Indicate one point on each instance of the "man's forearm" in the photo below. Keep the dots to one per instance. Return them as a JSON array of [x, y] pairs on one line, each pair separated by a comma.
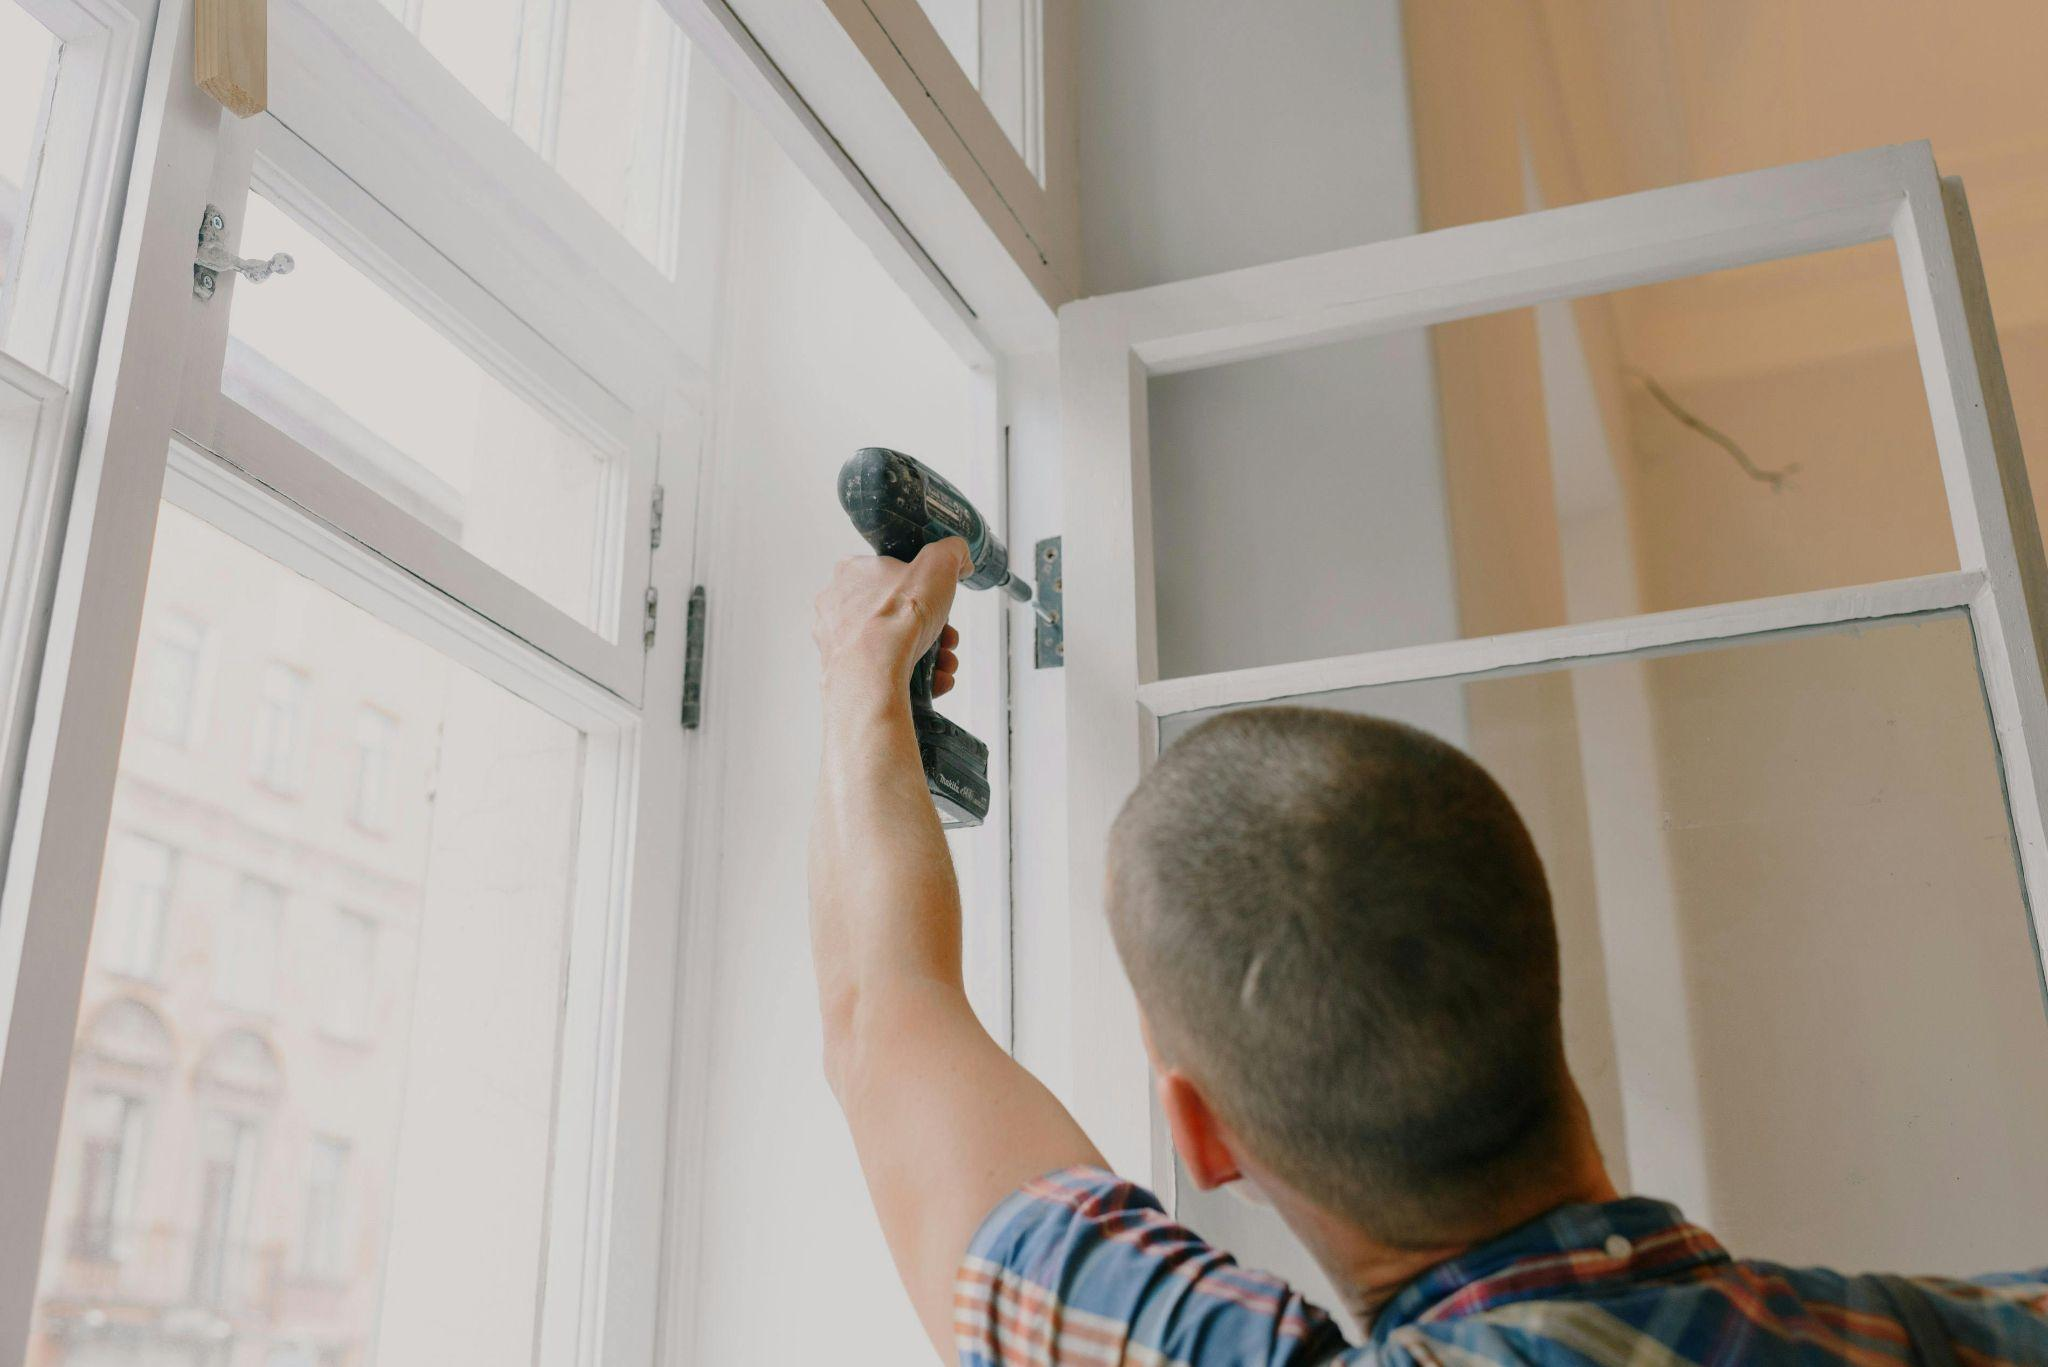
[[946, 1123], [884, 903]]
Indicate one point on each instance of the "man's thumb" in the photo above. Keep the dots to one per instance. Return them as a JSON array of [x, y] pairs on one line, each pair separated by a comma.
[[947, 560]]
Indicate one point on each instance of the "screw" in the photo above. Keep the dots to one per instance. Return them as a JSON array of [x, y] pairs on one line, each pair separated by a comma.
[[1048, 555], [216, 222], [1059, 586]]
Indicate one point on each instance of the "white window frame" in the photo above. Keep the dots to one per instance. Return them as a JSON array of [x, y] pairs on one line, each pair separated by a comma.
[[620, 339], [1110, 346], [55, 310], [870, 104]]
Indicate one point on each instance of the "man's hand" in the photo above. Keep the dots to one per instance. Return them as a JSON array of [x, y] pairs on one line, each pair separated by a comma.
[[945, 1122], [878, 616]]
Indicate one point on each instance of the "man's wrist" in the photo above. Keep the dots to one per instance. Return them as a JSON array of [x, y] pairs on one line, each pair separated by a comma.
[[865, 682]]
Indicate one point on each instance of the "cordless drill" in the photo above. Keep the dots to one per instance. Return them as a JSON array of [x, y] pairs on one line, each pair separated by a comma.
[[899, 507]]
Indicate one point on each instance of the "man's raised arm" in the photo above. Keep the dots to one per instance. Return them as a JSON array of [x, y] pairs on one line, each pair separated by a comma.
[[945, 1122]]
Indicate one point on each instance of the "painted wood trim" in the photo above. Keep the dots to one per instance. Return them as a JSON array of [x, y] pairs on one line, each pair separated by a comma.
[[1619, 639], [1109, 654], [56, 310], [231, 53], [74, 744], [767, 92], [1482, 268], [1990, 503], [1039, 226]]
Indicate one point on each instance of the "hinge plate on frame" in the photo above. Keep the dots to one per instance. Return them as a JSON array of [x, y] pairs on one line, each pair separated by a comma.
[[1049, 639], [654, 518], [693, 660], [213, 257], [647, 621]]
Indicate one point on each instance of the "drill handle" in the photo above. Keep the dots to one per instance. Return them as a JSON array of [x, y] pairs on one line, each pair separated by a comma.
[[922, 675]]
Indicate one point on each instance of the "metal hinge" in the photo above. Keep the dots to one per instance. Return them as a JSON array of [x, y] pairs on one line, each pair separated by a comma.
[[693, 660], [1049, 638], [654, 518], [213, 257], [653, 601]]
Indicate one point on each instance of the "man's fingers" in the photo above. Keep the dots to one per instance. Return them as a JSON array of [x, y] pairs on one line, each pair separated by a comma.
[[950, 637], [942, 684], [948, 663]]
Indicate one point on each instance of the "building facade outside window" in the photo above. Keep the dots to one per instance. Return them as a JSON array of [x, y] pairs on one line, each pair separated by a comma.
[[132, 939], [171, 708], [221, 1254], [245, 947], [323, 1244], [376, 741], [276, 759], [352, 976], [115, 1127]]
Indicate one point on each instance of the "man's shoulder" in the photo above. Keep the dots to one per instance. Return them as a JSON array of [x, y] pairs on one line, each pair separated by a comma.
[[1082, 1266], [1750, 1311]]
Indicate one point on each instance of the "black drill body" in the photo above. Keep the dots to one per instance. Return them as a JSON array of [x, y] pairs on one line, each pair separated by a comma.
[[900, 507]]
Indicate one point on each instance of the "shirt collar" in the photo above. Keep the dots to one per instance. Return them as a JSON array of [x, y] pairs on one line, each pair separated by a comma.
[[1572, 1249]]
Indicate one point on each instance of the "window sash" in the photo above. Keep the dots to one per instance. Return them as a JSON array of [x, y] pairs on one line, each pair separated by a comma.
[[609, 1152], [454, 171], [1111, 345], [263, 152]]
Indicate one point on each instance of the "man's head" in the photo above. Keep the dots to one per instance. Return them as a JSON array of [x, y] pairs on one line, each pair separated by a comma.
[[1341, 938]]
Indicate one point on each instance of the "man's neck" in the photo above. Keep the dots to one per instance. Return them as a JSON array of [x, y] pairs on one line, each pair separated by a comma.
[[1367, 1272], [1377, 1273]]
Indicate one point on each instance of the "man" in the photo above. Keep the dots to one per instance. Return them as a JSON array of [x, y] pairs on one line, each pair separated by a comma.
[[1341, 942]]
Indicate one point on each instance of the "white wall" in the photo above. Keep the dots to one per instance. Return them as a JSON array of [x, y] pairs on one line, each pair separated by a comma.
[[820, 354], [1298, 502]]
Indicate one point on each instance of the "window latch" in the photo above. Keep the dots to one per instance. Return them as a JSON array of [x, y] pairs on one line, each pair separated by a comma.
[[214, 257]]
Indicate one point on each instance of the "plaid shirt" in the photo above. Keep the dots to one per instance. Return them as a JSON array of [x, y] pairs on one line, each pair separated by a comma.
[[1079, 1267]]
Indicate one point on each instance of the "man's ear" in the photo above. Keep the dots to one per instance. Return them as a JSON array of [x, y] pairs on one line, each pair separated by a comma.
[[1198, 1135]]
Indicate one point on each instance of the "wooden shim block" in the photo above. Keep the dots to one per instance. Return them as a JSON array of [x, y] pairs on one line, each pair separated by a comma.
[[231, 53]]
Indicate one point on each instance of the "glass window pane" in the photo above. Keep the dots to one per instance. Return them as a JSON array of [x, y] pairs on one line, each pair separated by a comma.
[[28, 61], [419, 420], [596, 86], [318, 1125], [618, 135], [1742, 434], [1757, 854]]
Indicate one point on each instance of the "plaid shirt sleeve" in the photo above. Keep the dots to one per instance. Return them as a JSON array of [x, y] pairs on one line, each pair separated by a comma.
[[1081, 1267]]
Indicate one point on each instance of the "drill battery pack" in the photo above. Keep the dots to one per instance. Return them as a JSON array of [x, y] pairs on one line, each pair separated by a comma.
[[955, 770]]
